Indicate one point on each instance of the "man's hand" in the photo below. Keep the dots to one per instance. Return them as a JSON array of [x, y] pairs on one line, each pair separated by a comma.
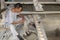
[[14, 23], [20, 21]]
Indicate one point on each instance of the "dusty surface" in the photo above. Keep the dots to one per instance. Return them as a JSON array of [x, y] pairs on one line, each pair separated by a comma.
[[53, 38], [31, 37]]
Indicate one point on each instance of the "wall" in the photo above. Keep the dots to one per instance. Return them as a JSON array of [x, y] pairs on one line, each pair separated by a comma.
[[51, 22], [30, 7]]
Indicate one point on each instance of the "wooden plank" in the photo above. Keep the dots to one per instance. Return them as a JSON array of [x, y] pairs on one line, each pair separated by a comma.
[[44, 12], [37, 5], [32, 2], [2, 4], [41, 13], [40, 31]]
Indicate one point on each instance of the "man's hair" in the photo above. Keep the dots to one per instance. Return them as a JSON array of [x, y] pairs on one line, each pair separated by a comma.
[[18, 5]]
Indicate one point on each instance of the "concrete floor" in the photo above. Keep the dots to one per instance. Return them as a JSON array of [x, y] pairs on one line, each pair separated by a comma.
[[31, 37], [53, 38]]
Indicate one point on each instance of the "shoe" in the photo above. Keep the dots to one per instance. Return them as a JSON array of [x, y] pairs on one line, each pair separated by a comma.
[[20, 38], [28, 34]]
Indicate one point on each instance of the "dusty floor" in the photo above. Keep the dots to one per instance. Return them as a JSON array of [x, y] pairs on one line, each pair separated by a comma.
[[32, 36], [53, 38]]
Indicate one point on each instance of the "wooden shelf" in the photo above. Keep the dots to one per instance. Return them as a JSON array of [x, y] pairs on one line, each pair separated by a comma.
[[32, 2], [44, 12]]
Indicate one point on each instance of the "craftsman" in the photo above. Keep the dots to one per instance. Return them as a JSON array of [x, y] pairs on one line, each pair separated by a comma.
[[11, 19]]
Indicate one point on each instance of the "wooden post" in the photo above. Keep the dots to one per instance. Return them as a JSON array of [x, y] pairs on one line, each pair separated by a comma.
[[38, 6], [3, 13], [39, 27], [2, 4], [40, 30]]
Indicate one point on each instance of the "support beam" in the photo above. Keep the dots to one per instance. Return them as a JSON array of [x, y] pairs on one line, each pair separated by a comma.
[[44, 12], [3, 13], [39, 27], [40, 13], [32, 2], [37, 5], [2, 4], [40, 30]]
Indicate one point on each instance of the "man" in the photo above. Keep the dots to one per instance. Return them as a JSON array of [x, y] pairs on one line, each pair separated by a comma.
[[11, 19]]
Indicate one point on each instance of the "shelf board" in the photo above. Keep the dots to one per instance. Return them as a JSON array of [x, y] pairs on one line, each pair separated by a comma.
[[32, 2], [43, 12]]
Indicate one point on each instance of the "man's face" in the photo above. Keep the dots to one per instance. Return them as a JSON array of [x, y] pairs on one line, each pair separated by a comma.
[[18, 9]]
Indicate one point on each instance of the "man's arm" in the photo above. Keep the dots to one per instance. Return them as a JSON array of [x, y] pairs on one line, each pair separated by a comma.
[[20, 21]]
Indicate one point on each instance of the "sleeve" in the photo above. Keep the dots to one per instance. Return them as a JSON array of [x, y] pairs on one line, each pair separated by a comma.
[[9, 16]]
